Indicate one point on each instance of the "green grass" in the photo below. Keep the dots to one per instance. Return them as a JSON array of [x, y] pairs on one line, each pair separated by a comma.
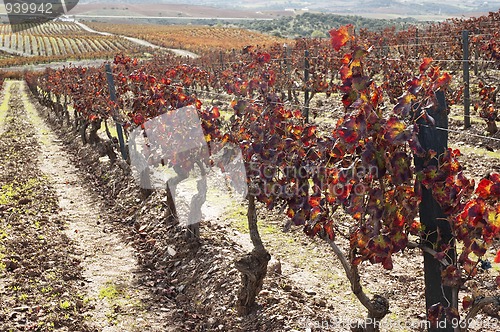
[[35, 118], [472, 119], [111, 126], [237, 213], [65, 305], [477, 151], [9, 190], [109, 292], [6, 193], [5, 102], [3, 235], [2, 256]]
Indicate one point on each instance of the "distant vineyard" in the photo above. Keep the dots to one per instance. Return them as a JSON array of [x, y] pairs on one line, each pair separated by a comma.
[[193, 38], [60, 41]]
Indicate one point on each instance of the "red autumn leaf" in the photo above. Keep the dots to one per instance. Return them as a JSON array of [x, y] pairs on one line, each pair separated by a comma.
[[314, 201], [415, 227], [425, 64], [215, 112], [495, 177], [376, 97], [339, 37], [434, 73], [345, 72], [497, 257], [400, 240], [329, 229], [403, 107], [451, 276], [479, 249], [310, 131], [414, 85], [264, 57], [467, 302], [315, 213], [484, 188], [349, 98], [395, 131], [138, 119], [401, 164], [350, 131], [198, 104], [387, 263], [442, 81]]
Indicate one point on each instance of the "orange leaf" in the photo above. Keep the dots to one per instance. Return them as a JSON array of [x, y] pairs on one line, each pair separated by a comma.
[[467, 302], [443, 80], [425, 64], [216, 112], [339, 37], [483, 190], [497, 257]]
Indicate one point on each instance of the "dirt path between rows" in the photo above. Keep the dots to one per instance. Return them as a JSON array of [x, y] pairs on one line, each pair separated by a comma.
[[4, 104], [110, 269], [141, 42]]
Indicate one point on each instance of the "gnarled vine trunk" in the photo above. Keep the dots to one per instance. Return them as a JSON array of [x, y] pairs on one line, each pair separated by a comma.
[[83, 130], [378, 306], [252, 266], [194, 216], [492, 127], [94, 128]]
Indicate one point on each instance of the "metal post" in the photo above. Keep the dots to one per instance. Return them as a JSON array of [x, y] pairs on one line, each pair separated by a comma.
[[306, 81], [221, 59], [465, 47], [416, 43], [476, 53], [437, 228]]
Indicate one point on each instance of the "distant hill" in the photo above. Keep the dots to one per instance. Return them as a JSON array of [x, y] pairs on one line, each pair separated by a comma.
[[370, 8], [288, 12], [318, 25]]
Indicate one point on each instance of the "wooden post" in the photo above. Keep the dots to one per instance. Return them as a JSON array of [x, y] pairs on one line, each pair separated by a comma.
[[305, 112], [112, 95], [432, 41], [416, 43], [283, 63], [465, 47], [221, 60], [437, 228], [288, 59], [385, 47], [476, 53]]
